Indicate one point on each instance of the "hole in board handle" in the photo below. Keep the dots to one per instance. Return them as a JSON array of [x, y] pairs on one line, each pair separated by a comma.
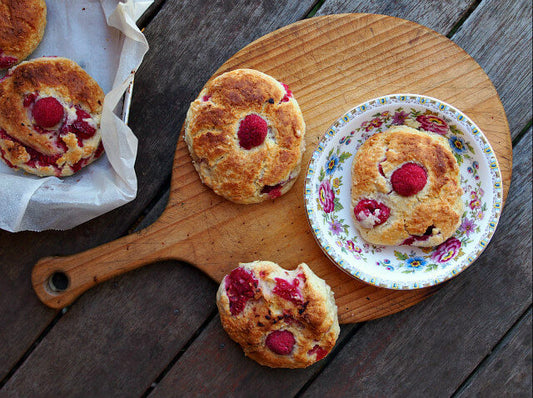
[[58, 282]]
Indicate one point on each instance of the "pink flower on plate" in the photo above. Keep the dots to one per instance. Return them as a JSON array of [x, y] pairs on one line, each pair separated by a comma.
[[326, 196], [446, 250], [433, 123]]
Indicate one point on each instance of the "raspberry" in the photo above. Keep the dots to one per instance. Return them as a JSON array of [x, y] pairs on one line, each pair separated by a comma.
[[274, 191], [319, 351], [409, 179], [288, 93], [47, 112], [29, 99], [281, 342], [7, 62], [288, 291], [80, 127], [371, 213], [240, 287], [252, 131]]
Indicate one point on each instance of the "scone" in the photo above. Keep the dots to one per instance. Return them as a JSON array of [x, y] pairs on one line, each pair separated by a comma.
[[280, 318], [406, 188], [22, 24], [50, 112], [245, 134]]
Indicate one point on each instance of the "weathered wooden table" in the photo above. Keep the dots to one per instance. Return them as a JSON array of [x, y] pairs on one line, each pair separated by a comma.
[[156, 332]]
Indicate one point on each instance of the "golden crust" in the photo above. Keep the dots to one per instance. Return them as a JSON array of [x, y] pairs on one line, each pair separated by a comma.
[[20, 138], [312, 319], [22, 25], [211, 130], [437, 208]]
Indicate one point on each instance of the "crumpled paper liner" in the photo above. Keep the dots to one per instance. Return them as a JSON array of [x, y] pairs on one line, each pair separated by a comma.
[[102, 37]]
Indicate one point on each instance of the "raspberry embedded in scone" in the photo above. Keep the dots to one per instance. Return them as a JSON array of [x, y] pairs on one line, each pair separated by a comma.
[[406, 188], [50, 111], [280, 318], [22, 25], [245, 133]]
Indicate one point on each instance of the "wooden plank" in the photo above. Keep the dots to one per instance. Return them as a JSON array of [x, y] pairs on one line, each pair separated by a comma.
[[117, 339], [498, 36], [175, 35], [430, 349], [439, 16], [212, 350], [513, 355]]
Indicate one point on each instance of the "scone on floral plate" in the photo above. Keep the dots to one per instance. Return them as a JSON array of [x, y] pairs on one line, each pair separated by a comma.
[[280, 318], [403, 192]]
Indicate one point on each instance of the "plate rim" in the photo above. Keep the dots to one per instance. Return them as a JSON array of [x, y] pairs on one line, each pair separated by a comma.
[[497, 194]]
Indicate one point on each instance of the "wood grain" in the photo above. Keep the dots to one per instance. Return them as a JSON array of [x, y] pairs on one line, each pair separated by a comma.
[[331, 63]]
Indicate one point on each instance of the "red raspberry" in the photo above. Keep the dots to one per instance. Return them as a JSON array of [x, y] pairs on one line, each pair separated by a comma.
[[288, 291], [319, 351], [409, 179], [288, 93], [371, 213], [281, 342], [252, 131], [240, 287], [47, 112], [80, 127], [274, 191], [7, 62]]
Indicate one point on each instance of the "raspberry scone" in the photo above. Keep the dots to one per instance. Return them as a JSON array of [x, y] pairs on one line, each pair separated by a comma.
[[406, 188], [281, 319], [50, 112], [245, 133], [22, 25]]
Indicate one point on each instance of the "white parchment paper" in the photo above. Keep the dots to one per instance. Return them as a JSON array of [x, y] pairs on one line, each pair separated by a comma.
[[102, 37]]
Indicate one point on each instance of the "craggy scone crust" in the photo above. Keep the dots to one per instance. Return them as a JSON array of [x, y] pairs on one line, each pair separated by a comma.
[[425, 219], [22, 24], [21, 139], [211, 127], [308, 312]]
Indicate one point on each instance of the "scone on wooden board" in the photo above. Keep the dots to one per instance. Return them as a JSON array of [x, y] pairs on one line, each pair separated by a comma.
[[22, 24], [281, 318], [406, 188], [50, 111], [245, 133]]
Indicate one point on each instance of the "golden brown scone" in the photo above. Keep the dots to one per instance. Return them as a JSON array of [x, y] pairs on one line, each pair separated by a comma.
[[406, 188], [281, 319], [245, 134], [50, 112], [22, 24]]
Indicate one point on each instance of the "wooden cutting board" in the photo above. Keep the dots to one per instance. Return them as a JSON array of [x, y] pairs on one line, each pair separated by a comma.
[[331, 63]]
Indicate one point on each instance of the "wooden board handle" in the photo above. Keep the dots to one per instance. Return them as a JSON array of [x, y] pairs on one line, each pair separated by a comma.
[[58, 281]]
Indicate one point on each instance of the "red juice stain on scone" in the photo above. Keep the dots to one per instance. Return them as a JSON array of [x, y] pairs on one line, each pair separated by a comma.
[[318, 351], [409, 179], [6, 61], [281, 342], [289, 291], [252, 131], [47, 112], [288, 93], [240, 287], [371, 213]]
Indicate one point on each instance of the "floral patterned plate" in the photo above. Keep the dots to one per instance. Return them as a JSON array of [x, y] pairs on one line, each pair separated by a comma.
[[327, 194]]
